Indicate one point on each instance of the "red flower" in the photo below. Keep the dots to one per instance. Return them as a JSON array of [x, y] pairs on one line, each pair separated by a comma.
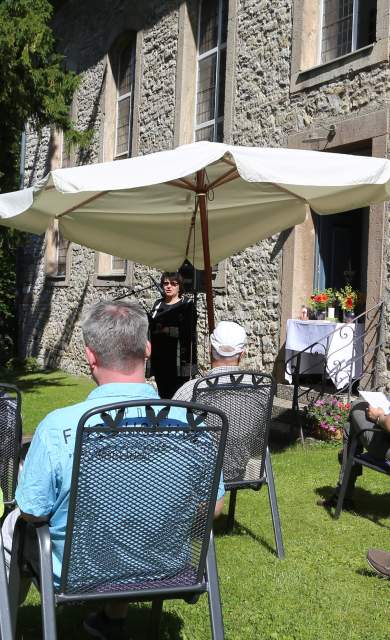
[[349, 303]]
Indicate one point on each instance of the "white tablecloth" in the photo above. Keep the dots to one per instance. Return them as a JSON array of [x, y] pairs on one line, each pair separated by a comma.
[[337, 347]]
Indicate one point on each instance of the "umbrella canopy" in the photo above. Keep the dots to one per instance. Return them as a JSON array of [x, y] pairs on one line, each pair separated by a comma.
[[143, 208]]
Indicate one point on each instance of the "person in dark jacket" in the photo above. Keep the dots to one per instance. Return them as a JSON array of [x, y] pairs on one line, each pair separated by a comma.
[[173, 336]]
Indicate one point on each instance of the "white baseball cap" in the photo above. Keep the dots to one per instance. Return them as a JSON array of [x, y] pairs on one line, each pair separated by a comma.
[[228, 338]]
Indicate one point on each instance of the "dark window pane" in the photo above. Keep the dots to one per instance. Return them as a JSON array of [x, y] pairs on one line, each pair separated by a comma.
[[224, 20], [125, 71], [205, 105], [219, 133], [366, 23], [208, 31], [222, 78]]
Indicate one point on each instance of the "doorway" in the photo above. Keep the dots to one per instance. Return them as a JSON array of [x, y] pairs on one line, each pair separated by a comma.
[[341, 248]]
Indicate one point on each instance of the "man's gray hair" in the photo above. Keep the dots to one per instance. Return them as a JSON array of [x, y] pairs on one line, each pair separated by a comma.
[[217, 356], [117, 332]]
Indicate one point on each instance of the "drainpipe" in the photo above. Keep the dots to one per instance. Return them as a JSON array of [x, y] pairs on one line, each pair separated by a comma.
[[23, 142]]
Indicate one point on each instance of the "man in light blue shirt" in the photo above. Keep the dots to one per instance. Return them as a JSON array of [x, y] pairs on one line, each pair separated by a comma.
[[115, 336]]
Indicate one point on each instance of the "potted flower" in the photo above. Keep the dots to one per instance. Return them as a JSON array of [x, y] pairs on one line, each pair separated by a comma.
[[348, 299], [327, 417], [319, 302]]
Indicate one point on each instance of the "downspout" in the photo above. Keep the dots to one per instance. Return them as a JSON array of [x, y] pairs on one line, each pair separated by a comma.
[[23, 144]]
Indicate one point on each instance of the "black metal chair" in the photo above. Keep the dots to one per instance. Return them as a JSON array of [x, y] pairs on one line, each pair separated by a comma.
[[361, 458], [246, 397], [5, 614], [144, 487], [10, 440]]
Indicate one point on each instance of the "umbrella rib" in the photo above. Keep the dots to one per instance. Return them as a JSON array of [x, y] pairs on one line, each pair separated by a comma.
[[81, 204], [227, 177], [182, 183]]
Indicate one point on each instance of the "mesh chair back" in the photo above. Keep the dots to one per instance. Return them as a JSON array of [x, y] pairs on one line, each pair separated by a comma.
[[10, 439], [246, 398], [144, 486]]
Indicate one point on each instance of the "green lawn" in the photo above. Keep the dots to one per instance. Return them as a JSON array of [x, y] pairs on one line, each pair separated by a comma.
[[45, 391], [324, 588]]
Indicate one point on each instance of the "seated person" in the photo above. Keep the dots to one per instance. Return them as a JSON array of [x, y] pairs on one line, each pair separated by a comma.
[[227, 345], [116, 346], [362, 416]]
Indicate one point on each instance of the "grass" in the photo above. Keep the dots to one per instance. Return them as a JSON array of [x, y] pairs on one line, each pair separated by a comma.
[[324, 589], [44, 391]]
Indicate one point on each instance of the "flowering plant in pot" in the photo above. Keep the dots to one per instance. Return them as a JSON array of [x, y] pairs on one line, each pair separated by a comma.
[[319, 302], [348, 298], [327, 417]]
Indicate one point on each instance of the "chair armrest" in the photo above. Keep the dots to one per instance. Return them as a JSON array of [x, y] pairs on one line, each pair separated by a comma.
[[357, 434]]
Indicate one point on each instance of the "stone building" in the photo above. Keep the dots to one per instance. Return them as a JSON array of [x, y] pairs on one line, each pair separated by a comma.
[[307, 74]]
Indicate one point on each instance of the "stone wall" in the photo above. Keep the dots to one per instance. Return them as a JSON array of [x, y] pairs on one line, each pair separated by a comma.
[[265, 112]]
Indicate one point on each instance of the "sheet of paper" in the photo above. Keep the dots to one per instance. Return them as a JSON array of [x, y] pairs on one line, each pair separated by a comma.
[[376, 399]]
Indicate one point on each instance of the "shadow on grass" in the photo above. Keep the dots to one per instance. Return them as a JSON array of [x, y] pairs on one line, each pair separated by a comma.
[[40, 379], [371, 506], [239, 529], [370, 573], [70, 623]]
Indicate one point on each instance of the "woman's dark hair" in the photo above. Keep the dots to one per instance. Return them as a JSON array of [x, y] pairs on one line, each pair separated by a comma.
[[173, 275]]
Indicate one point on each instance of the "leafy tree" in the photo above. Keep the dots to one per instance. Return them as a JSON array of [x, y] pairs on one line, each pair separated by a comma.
[[36, 87]]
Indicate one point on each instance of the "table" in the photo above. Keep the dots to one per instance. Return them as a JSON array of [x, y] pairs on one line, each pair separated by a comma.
[[335, 342]]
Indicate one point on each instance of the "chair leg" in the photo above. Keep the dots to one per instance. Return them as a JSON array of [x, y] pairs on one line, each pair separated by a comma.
[[346, 474], [274, 505], [232, 509], [14, 580], [157, 607], [214, 597], [46, 579], [5, 613]]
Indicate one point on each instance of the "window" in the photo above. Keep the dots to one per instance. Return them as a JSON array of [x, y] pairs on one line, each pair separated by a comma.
[[110, 265], [194, 279], [347, 25], [124, 100], [335, 37], [111, 270], [211, 70], [120, 87], [58, 255]]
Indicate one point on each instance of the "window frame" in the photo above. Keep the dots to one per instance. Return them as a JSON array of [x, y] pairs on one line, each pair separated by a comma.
[[53, 236], [217, 120], [131, 43], [306, 69], [110, 277]]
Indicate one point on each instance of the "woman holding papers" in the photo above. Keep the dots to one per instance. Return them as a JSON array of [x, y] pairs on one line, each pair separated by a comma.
[[173, 336]]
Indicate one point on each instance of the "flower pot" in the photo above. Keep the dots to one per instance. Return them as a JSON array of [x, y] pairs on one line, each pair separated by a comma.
[[348, 316], [322, 434], [320, 314]]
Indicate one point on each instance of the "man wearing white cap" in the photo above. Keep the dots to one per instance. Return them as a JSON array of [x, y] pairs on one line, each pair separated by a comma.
[[227, 344]]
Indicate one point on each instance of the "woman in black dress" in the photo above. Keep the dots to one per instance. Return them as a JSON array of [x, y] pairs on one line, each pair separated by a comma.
[[173, 336]]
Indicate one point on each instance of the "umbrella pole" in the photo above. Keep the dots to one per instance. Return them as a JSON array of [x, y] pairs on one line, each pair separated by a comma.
[[206, 255]]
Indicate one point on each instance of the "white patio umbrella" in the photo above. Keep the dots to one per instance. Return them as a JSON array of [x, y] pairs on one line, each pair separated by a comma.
[[145, 208]]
